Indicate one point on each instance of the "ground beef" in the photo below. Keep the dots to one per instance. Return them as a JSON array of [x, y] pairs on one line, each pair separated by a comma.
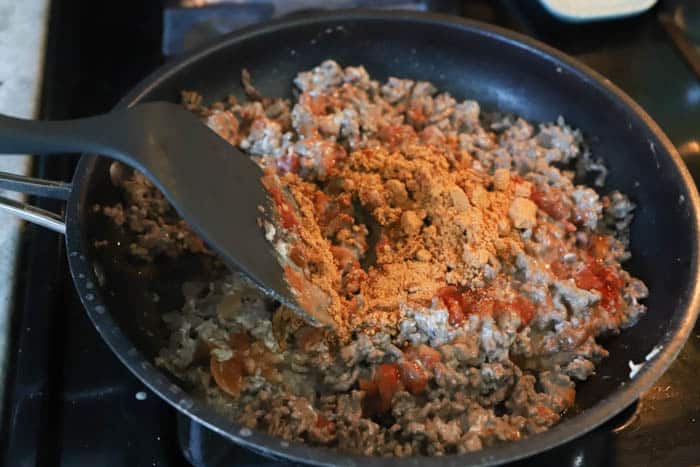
[[488, 354]]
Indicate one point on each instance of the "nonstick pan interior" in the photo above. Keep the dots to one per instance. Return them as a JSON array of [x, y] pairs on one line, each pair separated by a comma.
[[469, 61]]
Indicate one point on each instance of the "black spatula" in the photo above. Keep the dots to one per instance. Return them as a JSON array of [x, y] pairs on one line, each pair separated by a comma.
[[214, 186]]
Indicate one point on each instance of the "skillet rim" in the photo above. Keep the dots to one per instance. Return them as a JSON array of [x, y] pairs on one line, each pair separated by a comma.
[[155, 379]]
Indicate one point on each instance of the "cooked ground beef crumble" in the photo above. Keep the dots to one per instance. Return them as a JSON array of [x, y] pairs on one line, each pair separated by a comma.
[[493, 275]]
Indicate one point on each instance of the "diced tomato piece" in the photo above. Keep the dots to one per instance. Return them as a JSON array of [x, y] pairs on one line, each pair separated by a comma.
[[368, 385], [460, 305], [550, 202], [388, 378], [415, 367], [449, 293], [322, 422], [587, 279], [599, 246], [559, 269], [612, 298], [525, 309], [228, 375], [605, 280], [413, 376], [428, 356], [451, 297], [239, 341], [478, 301], [456, 315]]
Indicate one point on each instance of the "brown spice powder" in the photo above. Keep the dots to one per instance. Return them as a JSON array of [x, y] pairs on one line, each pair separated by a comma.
[[440, 223]]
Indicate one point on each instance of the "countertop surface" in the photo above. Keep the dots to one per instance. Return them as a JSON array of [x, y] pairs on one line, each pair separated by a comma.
[[23, 27]]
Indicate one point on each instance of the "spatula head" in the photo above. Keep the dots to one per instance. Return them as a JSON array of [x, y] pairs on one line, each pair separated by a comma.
[[216, 189]]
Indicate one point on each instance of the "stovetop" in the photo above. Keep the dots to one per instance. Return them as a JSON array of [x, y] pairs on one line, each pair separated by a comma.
[[71, 402]]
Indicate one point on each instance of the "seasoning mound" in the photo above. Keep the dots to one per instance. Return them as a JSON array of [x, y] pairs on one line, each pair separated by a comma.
[[468, 272], [439, 223]]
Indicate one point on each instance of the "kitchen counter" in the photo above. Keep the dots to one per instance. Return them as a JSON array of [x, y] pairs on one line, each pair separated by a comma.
[[23, 28]]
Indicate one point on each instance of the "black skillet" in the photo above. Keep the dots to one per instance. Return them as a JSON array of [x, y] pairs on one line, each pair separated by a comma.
[[503, 71]]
